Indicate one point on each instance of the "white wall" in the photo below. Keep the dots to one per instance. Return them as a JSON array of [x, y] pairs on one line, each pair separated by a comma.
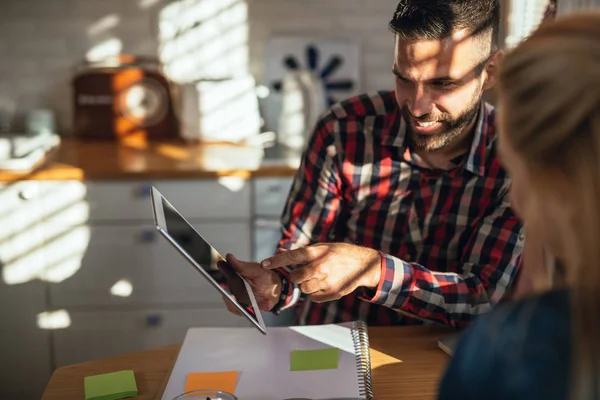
[[42, 40], [365, 22]]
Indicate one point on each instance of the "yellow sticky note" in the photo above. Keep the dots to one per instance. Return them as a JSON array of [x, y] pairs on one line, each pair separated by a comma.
[[223, 381]]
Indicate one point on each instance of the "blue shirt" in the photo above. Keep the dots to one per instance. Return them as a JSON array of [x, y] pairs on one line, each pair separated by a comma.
[[519, 350]]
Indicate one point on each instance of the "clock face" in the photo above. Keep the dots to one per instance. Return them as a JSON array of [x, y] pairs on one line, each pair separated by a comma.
[[144, 103]]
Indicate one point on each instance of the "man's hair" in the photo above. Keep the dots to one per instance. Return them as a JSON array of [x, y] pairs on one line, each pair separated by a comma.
[[438, 19]]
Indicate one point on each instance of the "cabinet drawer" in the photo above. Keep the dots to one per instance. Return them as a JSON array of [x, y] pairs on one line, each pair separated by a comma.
[[270, 195], [193, 199], [145, 261], [25, 364], [266, 236], [21, 304], [101, 334]]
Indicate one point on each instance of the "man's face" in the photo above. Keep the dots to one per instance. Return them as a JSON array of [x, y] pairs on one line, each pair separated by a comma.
[[439, 85]]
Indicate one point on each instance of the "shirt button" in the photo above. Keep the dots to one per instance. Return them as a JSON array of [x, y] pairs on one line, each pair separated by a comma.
[[521, 237]]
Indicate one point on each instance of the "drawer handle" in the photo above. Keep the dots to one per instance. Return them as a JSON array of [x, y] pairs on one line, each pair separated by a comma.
[[274, 189], [153, 321], [148, 236], [145, 190], [25, 195], [267, 223]]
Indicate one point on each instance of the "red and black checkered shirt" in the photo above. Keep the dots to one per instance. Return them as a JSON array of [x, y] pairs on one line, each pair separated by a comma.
[[450, 241]]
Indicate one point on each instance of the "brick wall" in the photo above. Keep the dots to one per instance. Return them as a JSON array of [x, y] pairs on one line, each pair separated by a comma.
[[42, 40]]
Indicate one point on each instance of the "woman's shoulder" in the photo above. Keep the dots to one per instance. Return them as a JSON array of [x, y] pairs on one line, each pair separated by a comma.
[[527, 325], [547, 310], [517, 345]]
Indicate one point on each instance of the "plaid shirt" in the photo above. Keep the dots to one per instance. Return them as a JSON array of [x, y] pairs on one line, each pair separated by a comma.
[[450, 243]]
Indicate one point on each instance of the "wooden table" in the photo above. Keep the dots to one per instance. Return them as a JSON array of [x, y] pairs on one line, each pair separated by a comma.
[[406, 363]]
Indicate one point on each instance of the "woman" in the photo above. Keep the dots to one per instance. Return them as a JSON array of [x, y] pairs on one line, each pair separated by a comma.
[[546, 346]]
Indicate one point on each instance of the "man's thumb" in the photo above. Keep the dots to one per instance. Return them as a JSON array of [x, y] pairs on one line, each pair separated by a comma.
[[237, 265]]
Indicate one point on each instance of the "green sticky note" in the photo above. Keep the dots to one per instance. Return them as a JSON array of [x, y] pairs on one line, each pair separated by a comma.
[[311, 360], [113, 386]]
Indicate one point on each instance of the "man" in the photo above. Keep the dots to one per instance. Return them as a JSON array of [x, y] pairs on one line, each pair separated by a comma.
[[400, 211]]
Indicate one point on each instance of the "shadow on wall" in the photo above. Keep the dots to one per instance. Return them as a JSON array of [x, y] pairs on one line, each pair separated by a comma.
[[195, 39], [203, 45], [204, 39]]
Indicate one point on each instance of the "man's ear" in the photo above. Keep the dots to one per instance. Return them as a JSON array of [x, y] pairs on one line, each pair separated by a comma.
[[490, 73]]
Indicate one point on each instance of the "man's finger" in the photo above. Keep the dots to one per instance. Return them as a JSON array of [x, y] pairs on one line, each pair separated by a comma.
[[284, 259], [310, 286], [303, 255], [302, 274]]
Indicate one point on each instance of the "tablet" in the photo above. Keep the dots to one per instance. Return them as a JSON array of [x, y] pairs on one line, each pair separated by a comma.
[[205, 259]]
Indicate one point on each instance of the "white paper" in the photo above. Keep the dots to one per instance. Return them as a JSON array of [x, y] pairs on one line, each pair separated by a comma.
[[263, 362]]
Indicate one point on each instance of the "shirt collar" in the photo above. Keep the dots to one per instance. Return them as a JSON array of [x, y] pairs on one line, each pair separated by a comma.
[[474, 160], [485, 129]]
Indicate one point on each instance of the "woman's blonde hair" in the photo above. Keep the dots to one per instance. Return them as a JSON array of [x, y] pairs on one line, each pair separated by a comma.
[[550, 86]]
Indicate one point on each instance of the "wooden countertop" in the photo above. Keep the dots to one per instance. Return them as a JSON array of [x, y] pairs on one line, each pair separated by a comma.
[[110, 160], [405, 361]]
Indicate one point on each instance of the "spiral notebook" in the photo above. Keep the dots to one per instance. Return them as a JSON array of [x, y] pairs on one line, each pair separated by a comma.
[[263, 362]]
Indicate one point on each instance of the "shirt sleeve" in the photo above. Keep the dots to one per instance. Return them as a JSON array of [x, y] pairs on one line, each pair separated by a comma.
[[314, 202], [489, 264]]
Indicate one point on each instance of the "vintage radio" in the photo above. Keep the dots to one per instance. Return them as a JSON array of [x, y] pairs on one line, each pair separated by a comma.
[[123, 97]]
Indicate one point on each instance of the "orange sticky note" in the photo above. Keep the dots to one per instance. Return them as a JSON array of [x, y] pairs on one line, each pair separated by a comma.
[[223, 381]]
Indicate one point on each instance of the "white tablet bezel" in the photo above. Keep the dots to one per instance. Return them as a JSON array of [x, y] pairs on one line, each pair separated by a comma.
[[161, 226]]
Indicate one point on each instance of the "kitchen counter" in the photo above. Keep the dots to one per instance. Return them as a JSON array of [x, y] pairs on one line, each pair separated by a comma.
[[110, 160]]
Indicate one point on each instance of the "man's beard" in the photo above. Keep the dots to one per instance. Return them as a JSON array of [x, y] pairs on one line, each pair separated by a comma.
[[451, 128]]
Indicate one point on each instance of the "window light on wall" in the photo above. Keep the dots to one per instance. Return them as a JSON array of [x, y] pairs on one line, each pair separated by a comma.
[[524, 17]]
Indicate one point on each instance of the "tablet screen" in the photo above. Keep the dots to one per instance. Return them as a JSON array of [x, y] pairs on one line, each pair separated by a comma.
[[206, 256]]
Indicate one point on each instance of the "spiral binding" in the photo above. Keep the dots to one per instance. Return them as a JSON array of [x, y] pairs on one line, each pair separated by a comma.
[[360, 337]]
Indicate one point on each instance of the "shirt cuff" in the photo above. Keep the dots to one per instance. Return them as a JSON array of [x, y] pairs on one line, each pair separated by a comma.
[[392, 273], [290, 292]]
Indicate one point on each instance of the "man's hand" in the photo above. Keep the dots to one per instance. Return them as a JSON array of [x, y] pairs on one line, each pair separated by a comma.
[[265, 284], [330, 270]]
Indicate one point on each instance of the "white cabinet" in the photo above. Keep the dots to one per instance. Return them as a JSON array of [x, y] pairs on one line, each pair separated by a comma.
[[104, 235], [125, 287], [25, 363], [267, 233], [100, 334], [270, 196], [212, 199], [91, 250], [140, 257], [269, 199]]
